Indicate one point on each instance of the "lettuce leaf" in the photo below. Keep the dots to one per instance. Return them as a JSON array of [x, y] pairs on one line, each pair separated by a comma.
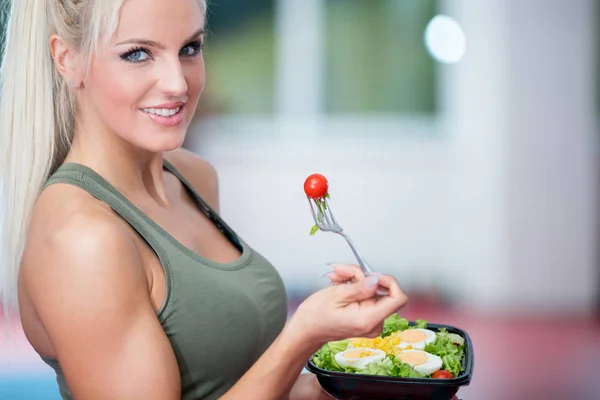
[[392, 324], [390, 366], [325, 357], [420, 323], [450, 353], [383, 367], [338, 346], [456, 338]]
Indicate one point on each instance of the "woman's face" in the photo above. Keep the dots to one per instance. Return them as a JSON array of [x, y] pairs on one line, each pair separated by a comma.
[[145, 84]]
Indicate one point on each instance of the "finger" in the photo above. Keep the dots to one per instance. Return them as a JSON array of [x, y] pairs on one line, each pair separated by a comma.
[[347, 271], [389, 304], [377, 331], [357, 291], [337, 279], [344, 273]]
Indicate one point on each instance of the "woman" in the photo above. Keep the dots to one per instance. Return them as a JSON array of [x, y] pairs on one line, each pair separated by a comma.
[[130, 285]]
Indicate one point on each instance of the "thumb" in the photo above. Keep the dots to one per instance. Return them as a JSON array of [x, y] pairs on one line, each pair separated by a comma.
[[358, 291]]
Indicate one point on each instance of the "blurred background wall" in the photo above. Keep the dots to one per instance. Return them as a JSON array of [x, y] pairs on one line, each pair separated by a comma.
[[460, 140], [478, 177]]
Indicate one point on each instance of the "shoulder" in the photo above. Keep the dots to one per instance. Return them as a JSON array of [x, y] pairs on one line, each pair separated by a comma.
[[65, 215], [199, 172], [77, 245]]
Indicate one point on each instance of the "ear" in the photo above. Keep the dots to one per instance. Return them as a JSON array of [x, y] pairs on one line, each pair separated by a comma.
[[66, 61]]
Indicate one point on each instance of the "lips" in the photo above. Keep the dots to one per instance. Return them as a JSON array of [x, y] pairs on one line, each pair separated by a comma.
[[165, 114]]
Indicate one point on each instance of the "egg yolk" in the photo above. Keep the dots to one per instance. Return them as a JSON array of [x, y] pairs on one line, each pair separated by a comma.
[[412, 336], [413, 358], [357, 354]]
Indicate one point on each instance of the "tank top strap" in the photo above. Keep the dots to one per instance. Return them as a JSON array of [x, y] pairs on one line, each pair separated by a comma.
[[210, 213], [87, 179]]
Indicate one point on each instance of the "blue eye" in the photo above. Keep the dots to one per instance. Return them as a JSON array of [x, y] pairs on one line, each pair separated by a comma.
[[192, 49], [136, 55]]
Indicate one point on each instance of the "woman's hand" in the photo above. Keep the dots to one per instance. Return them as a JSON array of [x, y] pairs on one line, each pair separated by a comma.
[[349, 308]]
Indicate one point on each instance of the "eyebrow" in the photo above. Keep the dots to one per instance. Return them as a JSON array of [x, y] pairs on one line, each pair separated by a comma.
[[158, 45]]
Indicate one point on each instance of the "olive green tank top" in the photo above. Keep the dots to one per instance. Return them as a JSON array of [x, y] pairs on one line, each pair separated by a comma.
[[219, 317]]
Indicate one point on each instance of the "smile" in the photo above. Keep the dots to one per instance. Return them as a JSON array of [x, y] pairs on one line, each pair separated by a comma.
[[165, 112], [167, 117]]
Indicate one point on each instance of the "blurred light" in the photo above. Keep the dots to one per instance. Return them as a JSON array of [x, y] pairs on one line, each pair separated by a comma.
[[445, 39]]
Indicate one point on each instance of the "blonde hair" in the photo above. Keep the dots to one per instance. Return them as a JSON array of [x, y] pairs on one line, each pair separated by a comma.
[[37, 110]]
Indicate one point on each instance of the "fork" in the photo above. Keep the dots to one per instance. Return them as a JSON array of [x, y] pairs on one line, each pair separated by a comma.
[[326, 222]]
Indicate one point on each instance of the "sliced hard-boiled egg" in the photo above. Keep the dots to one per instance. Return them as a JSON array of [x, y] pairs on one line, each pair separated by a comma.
[[358, 357], [421, 361], [416, 338]]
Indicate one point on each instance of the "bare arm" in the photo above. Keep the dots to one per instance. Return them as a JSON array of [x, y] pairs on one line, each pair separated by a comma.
[[91, 294]]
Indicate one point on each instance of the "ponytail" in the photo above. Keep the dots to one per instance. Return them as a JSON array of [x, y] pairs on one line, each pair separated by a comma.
[[27, 126]]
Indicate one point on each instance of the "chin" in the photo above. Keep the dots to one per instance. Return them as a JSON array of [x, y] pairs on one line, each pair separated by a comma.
[[170, 145], [163, 144]]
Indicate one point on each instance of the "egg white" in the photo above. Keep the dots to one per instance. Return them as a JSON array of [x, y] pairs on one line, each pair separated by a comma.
[[430, 338], [433, 363], [358, 363]]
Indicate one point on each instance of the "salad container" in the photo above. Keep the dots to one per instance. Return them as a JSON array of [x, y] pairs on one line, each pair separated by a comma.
[[351, 386]]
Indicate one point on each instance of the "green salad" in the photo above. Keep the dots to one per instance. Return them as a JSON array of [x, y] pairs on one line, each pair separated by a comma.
[[402, 350]]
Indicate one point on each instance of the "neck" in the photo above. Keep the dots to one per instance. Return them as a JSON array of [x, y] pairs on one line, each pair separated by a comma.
[[135, 172]]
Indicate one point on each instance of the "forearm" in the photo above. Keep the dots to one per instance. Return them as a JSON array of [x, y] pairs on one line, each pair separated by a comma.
[[275, 373]]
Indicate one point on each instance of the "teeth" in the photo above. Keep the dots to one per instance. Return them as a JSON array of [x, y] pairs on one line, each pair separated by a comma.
[[165, 112]]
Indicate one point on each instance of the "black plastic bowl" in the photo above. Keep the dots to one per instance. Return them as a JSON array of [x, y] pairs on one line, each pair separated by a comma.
[[349, 386]]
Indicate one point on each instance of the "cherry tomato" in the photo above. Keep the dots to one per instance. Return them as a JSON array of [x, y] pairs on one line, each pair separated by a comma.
[[316, 186], [442, 374]]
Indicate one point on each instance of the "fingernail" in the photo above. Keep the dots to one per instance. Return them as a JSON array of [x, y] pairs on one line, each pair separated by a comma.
[[339, 264], [371, 281]]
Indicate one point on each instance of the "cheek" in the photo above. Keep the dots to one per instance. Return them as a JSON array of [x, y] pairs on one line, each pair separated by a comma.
[[118, 101], [195, 76], [115, 96]]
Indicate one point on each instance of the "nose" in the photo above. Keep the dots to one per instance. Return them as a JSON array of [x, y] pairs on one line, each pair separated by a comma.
[[172, 79]]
